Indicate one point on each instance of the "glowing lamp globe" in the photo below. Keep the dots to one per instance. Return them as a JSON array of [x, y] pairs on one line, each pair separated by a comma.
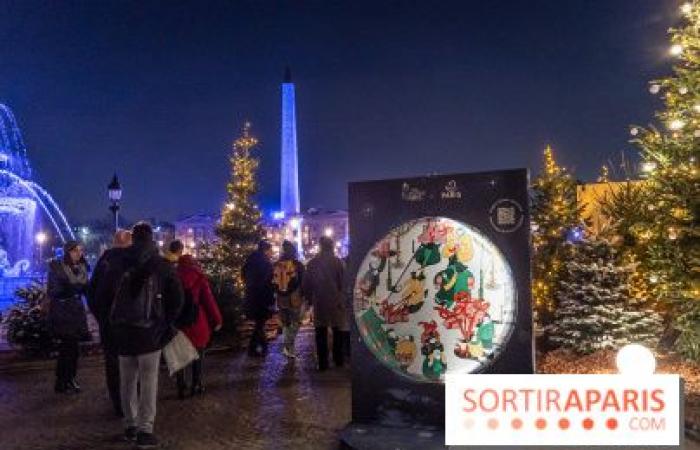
[[114, 189], [676, 49], [635, 359], [41, 238]]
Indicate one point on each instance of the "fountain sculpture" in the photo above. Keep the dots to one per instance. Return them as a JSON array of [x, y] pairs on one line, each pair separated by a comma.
[[24, 208]]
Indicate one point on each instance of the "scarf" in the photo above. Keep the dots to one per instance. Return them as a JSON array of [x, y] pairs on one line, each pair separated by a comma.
[[76, 274]]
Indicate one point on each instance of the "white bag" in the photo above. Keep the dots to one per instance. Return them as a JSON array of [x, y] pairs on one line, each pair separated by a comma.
[[179, 353]]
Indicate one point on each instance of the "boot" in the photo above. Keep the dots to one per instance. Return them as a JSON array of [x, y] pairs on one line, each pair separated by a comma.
[[73, 385]]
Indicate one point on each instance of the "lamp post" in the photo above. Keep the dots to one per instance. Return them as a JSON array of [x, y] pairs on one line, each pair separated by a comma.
[[114, 192]]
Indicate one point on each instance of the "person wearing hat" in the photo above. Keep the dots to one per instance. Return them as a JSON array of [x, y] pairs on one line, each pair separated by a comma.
[[67, 283]]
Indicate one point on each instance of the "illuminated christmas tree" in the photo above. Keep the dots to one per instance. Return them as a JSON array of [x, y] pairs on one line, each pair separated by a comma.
[[671, 151], [594, 310], [554, 213], [240, 229]]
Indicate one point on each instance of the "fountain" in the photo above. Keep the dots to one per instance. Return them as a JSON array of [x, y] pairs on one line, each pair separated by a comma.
[[24, 207]]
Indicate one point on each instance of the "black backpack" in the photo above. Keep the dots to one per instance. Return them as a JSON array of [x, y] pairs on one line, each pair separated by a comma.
[[138, 306], [190, 311]]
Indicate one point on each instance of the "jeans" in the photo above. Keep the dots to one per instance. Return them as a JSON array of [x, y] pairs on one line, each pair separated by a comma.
[[196, 368], [322, 347], [291, 320], [258, 337], [139, 389], [67, 361]]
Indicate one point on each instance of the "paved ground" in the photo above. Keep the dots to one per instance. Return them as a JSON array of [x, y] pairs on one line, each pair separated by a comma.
[[249, 404]]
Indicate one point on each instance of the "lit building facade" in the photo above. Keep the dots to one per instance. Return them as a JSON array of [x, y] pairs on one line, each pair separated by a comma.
[[196, 230], [307, 228]]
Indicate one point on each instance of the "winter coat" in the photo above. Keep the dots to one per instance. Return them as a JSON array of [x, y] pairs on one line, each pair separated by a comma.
[[259, 294], [145, 261], [287, 280], [66, 315], [323, 287], [102, 289], [208, 315], [104, 282]]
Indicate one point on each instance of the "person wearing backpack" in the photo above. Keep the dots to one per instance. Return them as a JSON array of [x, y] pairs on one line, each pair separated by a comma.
[[147, 302], [101, 291], [200, 315], [67, 283], [287, 276]]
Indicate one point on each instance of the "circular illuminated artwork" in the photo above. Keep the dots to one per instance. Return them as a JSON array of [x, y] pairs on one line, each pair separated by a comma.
[[434, 296]]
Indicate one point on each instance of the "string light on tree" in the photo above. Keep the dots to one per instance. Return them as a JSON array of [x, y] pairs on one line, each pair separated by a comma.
[[240, 229], [669, 254], [554, 212], [676, 50]]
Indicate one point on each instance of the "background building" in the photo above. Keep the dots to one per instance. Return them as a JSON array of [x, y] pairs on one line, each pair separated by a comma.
[[195, 230]]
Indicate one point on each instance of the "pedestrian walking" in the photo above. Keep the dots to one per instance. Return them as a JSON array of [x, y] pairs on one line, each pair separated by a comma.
[[259, 295], [101, 291], [288, 274], [67, 283], [323, 288], [147, 302], [200, 316]]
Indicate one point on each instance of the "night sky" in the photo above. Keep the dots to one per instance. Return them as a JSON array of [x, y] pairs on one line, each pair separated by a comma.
[[157, 91]]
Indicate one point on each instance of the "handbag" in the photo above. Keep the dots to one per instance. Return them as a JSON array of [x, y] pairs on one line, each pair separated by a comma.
[[179, 353], [67, 318]]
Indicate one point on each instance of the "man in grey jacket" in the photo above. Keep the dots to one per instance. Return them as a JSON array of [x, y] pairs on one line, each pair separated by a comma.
[[323, 288]]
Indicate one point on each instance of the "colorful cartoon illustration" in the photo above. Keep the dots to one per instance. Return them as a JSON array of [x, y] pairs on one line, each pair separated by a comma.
[[433, 235], [465, 315], [414, 293], [435, 363], [404, 348], [449, 263], [434, 360]]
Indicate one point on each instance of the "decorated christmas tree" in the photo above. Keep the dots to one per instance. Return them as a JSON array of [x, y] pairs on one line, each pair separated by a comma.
[[670, 150], [594, 310], [240, 228], [554, 213]]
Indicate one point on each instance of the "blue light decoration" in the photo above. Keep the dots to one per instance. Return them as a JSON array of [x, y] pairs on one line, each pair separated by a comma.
[[21, 201], [290, 202], [278, 215], [575, 235]]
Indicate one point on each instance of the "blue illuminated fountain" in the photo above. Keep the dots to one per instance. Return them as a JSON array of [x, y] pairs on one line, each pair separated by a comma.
[[24, 208]]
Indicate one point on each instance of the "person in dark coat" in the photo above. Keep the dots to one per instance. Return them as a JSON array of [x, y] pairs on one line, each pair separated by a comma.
[[209, 319], [323, 288], [259, 295], [101, 291], [140, 345], [67, 283]]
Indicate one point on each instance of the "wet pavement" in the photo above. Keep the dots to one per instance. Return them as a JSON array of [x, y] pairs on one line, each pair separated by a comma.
[[249, 404]]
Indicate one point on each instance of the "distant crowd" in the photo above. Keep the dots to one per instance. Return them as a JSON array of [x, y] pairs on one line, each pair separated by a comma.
[[149, 305]]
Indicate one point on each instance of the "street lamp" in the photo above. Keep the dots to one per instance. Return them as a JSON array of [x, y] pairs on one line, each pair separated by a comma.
[[114, 192]]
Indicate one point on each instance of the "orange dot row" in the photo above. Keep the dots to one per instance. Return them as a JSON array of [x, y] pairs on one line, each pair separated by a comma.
[[541, 423]]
